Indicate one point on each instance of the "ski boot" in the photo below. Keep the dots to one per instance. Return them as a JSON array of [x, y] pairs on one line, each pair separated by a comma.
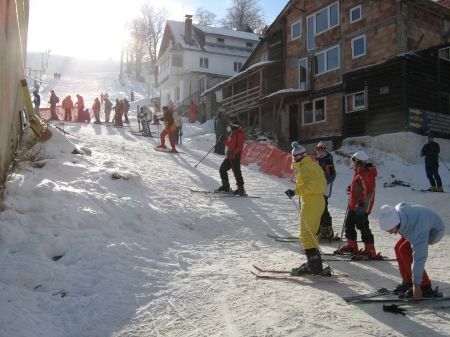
[[349, 249]]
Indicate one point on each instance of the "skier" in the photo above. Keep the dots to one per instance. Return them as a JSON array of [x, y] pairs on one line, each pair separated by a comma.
[[419, 227], [118, 112], [96, 110], [108, 108], [37, 102], [144, 119], [126, 108], [310, 187], [235, 144], [360, 204], [431, 152], [169, 129], [53, 100], [80, 105], [325, 160], [67, 105], [179, 129], [220, 128]]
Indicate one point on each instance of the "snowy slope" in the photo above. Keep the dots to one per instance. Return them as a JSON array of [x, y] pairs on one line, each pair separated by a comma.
[[144, 256]]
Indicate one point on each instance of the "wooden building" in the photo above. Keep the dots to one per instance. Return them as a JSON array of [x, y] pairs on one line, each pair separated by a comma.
[[294, 82]]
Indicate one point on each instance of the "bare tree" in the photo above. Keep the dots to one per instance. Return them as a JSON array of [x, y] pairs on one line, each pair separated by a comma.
[[154, 20], [204, 17], [244, 15], [137, 44]]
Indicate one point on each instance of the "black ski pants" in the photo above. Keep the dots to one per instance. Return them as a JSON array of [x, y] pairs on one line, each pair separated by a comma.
[[353, 222], [235, 165]]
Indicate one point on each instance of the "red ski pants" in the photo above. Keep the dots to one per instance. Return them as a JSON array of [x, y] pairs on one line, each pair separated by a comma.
[[403, 252], [171, 134]]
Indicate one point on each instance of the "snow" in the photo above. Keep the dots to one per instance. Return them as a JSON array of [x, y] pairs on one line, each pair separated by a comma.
[[82, 254]]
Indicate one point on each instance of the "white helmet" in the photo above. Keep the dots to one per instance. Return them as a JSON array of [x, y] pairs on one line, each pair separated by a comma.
[[360, 157], [321, 145]]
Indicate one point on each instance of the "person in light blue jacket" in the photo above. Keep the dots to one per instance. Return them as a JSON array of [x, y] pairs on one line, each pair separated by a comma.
[[419, 227]]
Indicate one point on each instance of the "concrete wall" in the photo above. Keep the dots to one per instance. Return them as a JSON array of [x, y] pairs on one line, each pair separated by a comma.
[[13, 44]]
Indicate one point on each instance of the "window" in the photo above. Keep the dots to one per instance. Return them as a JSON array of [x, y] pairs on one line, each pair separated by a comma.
[[355, 14], [358, 46], [327, 60], [296, 30], [201, 84], [220, 40], [327, 18], [249, 44], [310, 41], [355, 101], [237, 66], [314, 112], [303, 83], [203, 62], [444, 53]]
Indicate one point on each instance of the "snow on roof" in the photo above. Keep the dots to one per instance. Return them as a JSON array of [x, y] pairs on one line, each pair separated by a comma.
[[227, 32], [242, 73], [226, 50], [177, 29]]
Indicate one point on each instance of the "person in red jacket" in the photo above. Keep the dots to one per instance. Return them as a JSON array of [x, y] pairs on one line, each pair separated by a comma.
[[169, 129], [235, 144], [80, 105], [67, 105], [360, 204]]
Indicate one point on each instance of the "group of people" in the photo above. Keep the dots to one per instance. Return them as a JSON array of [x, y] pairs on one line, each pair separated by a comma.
[[418, 226], [121, 108]]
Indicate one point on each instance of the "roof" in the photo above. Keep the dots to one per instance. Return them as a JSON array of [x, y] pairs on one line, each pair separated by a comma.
[[227, 32]]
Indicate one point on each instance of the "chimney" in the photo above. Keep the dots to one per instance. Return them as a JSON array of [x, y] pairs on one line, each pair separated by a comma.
[[188, 29]]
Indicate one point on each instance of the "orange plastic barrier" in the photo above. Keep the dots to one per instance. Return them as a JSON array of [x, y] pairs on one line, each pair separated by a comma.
[[270, 159]]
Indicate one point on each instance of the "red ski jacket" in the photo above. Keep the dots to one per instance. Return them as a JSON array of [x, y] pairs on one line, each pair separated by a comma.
[[235, 143], [362, 189]]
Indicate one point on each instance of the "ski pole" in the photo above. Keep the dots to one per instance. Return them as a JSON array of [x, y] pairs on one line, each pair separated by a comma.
[[208, 152], [444, 163]]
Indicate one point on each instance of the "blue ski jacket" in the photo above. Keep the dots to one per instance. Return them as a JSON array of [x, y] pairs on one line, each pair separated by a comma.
[[421, 226]]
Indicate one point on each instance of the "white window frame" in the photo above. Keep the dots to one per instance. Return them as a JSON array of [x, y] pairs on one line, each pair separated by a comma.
[[448, 52], [328, 18], [314, 111], [360, 13], [354, 108], [326, 61], [237, 66], [353, 47], [299, 22], [313, 41], [299, 75], [204, 62]]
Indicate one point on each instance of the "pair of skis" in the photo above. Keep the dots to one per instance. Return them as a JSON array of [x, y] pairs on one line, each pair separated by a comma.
[[220, 194], [384, 295], [279, 274]]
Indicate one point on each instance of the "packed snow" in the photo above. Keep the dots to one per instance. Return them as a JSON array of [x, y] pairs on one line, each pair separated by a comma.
[[83, 254]]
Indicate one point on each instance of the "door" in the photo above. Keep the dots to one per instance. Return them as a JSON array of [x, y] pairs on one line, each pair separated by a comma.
[[293, 122]]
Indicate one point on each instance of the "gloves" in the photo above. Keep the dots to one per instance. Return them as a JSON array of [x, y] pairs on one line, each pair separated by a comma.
[[394, 308], [360, 209], [289, 193]]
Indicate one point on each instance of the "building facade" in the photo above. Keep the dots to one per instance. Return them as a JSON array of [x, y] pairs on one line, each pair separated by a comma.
[[312, 48], [193, 58]]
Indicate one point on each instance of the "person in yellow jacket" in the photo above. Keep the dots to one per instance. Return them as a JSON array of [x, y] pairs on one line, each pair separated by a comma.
[[169, 129], [310, 187]]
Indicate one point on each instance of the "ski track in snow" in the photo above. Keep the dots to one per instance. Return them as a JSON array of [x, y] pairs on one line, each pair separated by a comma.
[[147, 257]]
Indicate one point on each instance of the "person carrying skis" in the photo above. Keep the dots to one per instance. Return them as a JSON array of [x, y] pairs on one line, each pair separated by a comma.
[[169, 129], [360, 204], [310, 186], [67, 105], [220, 128], [431, 153], [419, 226], [325, 160], [235, 144]]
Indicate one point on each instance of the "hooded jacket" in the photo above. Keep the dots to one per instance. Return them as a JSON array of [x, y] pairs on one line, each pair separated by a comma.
[[235, 143], [310, 178], [362, 189], [421, 226]]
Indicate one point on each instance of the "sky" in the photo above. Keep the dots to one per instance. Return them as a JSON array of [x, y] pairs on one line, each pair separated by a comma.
[[83, 255], [95, 29]]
